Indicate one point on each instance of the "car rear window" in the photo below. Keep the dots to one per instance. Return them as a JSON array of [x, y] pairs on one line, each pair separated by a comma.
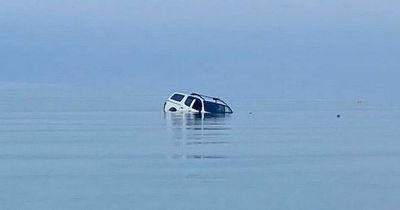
[[214, 107]]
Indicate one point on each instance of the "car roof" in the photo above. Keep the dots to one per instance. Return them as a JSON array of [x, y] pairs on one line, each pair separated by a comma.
[[187, 95]]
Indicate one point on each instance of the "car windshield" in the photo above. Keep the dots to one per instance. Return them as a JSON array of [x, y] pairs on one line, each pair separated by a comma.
[[177, 97]]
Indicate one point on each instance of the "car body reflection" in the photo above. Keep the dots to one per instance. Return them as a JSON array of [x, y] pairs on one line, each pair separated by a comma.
[[198, 136]]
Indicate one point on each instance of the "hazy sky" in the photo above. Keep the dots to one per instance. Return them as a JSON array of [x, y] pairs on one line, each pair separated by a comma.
[[279, 48]]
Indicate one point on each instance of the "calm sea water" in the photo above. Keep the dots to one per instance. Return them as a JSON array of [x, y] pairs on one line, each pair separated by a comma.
[[125, 153]]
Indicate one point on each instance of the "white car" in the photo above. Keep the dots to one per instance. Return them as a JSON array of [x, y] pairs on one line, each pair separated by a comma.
[[195, 103]]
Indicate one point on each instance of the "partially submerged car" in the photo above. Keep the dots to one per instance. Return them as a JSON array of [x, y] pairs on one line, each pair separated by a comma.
[[196, 103]]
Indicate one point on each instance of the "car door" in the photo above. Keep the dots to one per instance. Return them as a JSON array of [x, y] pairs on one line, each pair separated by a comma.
[[197, 105], [188, 103]]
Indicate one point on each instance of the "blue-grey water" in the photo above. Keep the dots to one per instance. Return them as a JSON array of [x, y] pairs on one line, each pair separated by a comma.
[[123, 152]]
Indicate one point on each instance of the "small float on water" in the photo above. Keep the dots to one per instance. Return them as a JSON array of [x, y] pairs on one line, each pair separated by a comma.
[[196, 103]]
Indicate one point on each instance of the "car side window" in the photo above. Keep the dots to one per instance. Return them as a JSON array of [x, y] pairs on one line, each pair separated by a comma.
[[189, 101]]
